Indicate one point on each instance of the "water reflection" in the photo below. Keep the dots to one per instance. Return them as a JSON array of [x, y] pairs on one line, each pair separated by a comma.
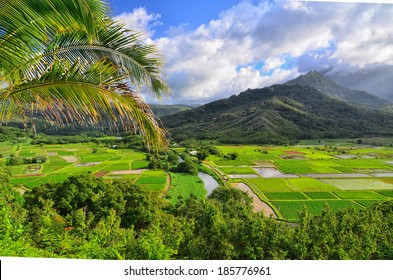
[[209, 182]]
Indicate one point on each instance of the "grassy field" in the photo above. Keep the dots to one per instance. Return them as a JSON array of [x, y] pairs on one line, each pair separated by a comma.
[[321, 195], [72, 159], [184, 185], [291, 209], [285, 195], [350, 184], [238, 170], [154, 180], [359, 195], [269, 185], [309, 184]]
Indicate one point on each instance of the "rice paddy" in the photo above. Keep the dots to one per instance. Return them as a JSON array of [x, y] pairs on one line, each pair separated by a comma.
[[339, 176], [73, 159], [304, 177]]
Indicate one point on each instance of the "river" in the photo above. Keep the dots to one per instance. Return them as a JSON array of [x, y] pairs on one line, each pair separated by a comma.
[[209, 182]]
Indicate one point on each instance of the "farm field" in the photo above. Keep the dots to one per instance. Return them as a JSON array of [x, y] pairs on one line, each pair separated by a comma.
[[184, 185], [337, 174], [73, 159]]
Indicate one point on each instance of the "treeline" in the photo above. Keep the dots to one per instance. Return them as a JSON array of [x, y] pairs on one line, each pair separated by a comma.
[[86, 217], [122, 141]]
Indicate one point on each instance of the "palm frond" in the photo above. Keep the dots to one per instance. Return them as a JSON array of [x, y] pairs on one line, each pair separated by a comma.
[[65, 94], [71, 62]]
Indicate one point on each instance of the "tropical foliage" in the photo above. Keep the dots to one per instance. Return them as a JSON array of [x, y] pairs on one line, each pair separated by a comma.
[[85, 217], [69, 61]]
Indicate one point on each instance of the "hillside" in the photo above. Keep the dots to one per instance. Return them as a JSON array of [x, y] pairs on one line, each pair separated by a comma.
[[278, 114], [376, 80], [161, 110], [329, 87]]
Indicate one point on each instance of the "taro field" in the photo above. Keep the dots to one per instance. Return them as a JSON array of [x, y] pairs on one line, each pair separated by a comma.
[[63, 161], [293, 178]]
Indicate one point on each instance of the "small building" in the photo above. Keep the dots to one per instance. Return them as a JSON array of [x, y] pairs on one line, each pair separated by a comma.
[[193, 153]]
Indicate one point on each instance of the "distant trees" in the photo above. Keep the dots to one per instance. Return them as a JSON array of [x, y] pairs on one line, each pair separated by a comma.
[[231, 156], [164, 160], [186, 166], [12, 161], [202, 154]]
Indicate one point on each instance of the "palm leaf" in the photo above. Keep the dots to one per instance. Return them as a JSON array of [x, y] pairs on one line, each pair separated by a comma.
[[68, 60]]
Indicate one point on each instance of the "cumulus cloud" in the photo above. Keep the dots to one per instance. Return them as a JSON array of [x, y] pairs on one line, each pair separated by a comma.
[[259, 43], [139, 20]]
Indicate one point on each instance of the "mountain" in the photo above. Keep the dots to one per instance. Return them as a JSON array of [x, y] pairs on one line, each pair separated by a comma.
[[278, 114], [329, 87], [161, 110], [377, 80]]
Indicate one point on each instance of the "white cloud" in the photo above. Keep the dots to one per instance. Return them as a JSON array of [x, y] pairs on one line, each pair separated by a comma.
[[273, 62], [139, 20], [220, 58], [370, 39], [249, 45]]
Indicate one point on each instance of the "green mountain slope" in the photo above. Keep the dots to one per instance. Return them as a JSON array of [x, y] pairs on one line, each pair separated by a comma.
[[316, 80], [162, 110], [277, 114]]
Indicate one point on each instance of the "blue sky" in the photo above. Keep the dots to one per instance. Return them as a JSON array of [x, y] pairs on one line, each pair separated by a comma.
[[176, 12], [216, 48]]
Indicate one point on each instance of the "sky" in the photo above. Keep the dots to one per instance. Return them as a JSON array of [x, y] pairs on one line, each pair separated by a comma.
[[216, 48]]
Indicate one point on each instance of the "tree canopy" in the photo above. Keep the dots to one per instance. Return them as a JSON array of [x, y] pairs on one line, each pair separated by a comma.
[[86, 217]]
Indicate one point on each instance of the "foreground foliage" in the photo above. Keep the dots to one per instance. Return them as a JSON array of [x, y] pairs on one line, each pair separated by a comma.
[[85, 217], [69, 61]]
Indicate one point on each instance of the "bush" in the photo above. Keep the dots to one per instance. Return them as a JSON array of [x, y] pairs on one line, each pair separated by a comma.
[[39, 159], [231, 156], [12, 161]]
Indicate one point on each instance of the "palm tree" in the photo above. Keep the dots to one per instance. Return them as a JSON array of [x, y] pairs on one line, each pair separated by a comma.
[[68, 60]]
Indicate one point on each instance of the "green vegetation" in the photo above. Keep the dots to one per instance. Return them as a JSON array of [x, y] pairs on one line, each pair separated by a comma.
[[329, 87], [154, 180], [289, 112], [386, 193], [321, 195], [269, 185], [291, 209], [359, 195], [104, 160], [309, 184], [238, 170], [358, 184], [290, 195], [162, 110], [368, 203], [183, 185], [70, 66], [127, 202], [285, 196], [88, 218]]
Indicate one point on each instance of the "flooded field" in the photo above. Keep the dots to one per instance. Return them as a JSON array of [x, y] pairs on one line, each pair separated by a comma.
[[272, 173]]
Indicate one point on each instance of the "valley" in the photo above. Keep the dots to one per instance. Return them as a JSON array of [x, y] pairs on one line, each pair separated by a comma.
[[287, 179], [292, 178]]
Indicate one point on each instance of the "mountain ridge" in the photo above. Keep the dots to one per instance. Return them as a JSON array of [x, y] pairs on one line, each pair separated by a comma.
[[330, 87], [278, 114]]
